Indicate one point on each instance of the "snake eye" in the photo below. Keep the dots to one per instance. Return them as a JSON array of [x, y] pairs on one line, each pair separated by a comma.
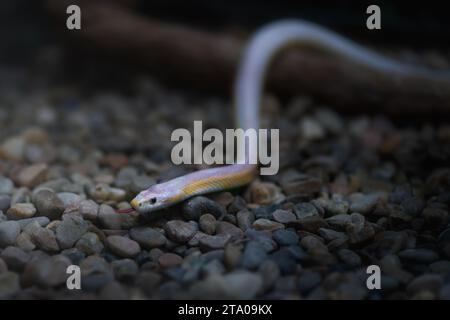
[[153, 200]]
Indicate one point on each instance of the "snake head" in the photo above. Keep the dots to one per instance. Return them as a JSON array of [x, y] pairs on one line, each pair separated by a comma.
[[151, 200]]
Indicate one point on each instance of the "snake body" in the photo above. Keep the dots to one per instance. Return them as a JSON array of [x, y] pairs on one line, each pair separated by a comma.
[[259, 52]]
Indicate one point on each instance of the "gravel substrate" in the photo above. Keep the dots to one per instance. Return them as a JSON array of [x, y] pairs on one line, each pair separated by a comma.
[[352, 191]]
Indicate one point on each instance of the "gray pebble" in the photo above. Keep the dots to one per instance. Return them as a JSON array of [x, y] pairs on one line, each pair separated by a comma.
[[197, 206], [350, 258], [42, 221], [245, 219], [148, 238], [47, 273], [15, 258], [362, 203], [89, 243], [70, 230], [208, 242], [207, 223], [254, 254], [123, 247], [285, 237], [9, 284], [418, 255], [9, 230], [180, 231], [6, 185], [125, 269], [5, 202], [48, 204]]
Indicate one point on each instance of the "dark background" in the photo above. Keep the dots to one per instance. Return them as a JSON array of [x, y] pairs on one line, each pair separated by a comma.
[[24, 25]]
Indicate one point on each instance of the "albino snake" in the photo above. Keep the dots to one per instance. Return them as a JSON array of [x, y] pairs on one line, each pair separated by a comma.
[[248, 87]]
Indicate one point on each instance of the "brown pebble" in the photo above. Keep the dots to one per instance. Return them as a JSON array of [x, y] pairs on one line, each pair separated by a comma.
[[168, 260]]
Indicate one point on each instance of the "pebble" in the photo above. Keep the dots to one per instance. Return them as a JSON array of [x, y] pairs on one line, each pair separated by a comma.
[[310, 129], [232, 255], [340, 220], [311, 224], [207, 223], [5, 202], [9, 230], [283, 216], [180, 231], [305, 210], [264, 212], [13, 148], [391, 265], [362, 203], [48, 272], [214, 267], [32, 175], [444, 293], [21, 195], [43, 238], [330, 234], [74, 254], [245, 219], [6, 186], [148, 238], [435, 217], [358, 230], [89, 243], [300, 185], [195, 207], [168, 260], [148, 281], [21, 211], [69, 199], [418, 255], [125, 269], [3, 266], [42, 221], [312, 244], [113, 291], [263, 238], [15, 258], [70, 230], [285, 237], [400, 193], [336, 205], [308, 281], [264, 193], [254, 254], [266, 224], [227, 228], [269, 273], [285, 261], [123, 247], [9, 284], [350, 258], [24, 242], [441, 267], [88, 210], [209, 242], [239, 285], [48, 204], [426, 282], [412, 206]]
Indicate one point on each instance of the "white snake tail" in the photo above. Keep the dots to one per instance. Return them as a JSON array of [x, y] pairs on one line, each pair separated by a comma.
[[261, 49]]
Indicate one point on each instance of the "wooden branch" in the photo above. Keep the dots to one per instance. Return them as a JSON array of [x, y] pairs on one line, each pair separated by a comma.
[[206, 60]]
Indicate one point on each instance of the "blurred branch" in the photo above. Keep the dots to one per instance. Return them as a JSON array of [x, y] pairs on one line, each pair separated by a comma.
[[201, 59]]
